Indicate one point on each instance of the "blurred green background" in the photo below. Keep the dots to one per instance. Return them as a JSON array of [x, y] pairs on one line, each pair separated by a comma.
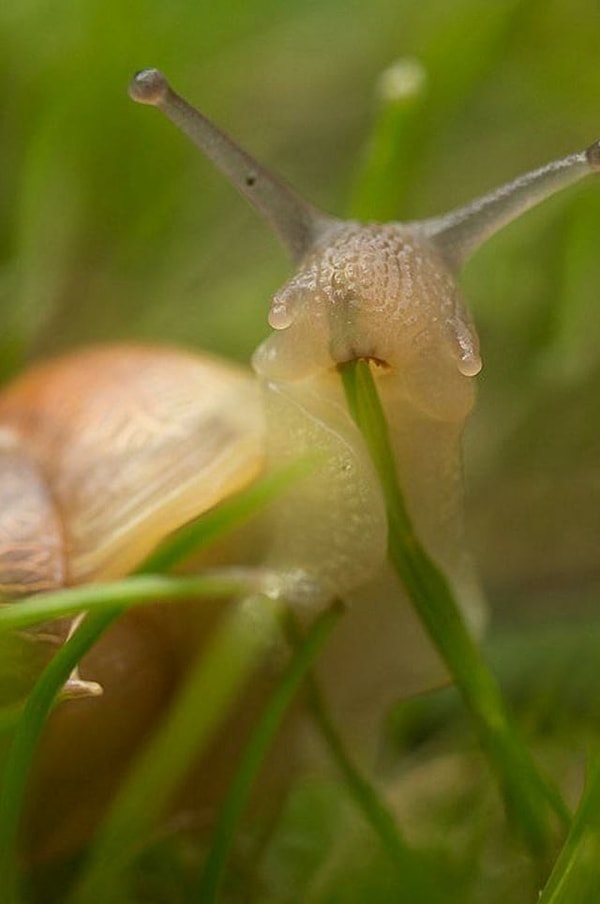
[[112, 227]]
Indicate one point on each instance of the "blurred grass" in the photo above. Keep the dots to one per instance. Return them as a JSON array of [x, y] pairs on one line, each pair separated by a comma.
[[576, 876], [111, 227], [242, 639]]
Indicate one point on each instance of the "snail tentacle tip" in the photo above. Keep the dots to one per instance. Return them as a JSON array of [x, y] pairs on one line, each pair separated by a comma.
[[280, 317], [149, 86], [470, 365], [593, 156]]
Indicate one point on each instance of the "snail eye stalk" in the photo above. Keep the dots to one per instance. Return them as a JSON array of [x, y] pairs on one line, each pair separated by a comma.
[[460, 232], [296, 222]]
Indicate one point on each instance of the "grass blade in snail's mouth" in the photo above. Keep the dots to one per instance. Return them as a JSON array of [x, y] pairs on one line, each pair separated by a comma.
[[530, 797]]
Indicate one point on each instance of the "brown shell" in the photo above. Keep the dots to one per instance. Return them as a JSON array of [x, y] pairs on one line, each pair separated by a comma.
[[31, 547], [106, 451]]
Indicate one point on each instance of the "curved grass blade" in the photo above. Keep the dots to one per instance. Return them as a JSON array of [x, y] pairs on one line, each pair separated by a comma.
[[576, 875], [263, 734], [213, 686], [215, 524], [371, 805], [29, 729], [529, 796], [133, 591], [9, 716], [364, 794]]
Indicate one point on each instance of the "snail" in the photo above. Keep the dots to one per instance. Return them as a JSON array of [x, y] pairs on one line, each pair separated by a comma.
[[106, 451]]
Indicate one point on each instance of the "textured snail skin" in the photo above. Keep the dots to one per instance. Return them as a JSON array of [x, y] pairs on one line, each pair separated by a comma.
[[382, 293], [376, 290]]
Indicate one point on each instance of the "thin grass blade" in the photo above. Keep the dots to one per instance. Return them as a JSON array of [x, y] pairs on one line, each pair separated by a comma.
[[530, 797], [29, 729], [576, 875], [130, 592], [307, 649], [213, 686]]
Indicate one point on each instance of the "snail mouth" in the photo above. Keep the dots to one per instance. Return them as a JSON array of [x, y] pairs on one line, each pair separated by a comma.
[[379, 364], [346, 346]]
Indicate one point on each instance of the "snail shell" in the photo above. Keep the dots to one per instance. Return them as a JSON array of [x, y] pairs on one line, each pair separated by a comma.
[[108, 450]]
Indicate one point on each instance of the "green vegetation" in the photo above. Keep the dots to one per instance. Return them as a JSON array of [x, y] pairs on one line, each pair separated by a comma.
[[111, 228]]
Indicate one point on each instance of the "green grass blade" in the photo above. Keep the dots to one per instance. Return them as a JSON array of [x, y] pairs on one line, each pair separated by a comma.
[[113, 600], [9, 716], [129, 592], [529, 796], [371, 805], [214, 684], [364, 794], [26, 737], [256, 749], [576, 873]]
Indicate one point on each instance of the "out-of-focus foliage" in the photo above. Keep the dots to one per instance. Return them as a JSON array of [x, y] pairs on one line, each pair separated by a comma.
[[112, 227]]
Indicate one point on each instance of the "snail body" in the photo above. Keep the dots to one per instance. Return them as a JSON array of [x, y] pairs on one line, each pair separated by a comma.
[[107, 451], [380, 293]]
